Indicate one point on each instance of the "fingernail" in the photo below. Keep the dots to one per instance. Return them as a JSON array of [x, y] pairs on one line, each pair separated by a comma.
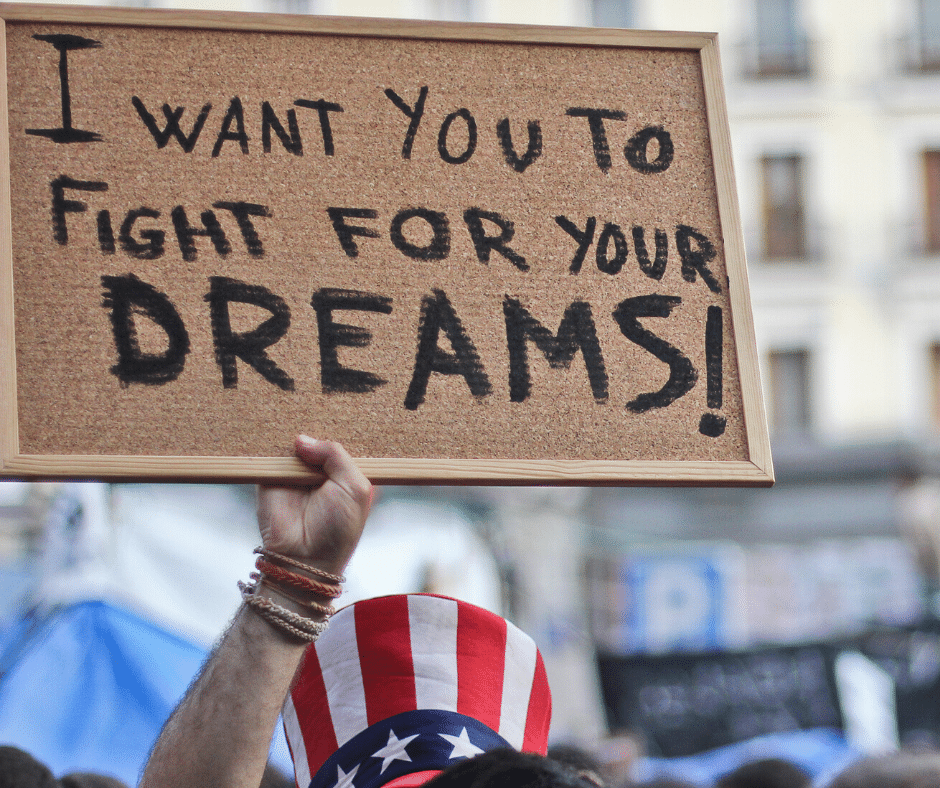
[[307, 441]]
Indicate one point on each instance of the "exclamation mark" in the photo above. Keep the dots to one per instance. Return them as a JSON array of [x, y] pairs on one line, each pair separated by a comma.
[[713, 424]]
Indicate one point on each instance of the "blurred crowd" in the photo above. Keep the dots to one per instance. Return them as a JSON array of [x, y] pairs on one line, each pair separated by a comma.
[[19, 769], [898, 770], [919, 769]]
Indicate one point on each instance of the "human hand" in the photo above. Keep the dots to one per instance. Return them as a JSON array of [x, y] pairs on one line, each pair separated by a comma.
[[319, 525]]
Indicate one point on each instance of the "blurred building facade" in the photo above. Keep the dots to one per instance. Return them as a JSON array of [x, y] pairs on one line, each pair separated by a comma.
[[835, 119]]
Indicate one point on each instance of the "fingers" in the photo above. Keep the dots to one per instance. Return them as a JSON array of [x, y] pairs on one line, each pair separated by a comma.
[[338, 466], [321, 520]]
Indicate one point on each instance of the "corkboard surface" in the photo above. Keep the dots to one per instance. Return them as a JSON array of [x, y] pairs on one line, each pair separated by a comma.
[[100, 226]]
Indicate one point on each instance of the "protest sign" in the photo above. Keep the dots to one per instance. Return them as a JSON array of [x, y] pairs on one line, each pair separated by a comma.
[[471, 253]]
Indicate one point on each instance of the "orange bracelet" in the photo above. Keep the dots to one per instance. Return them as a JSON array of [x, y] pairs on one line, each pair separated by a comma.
[[311, 570], [279, 573]]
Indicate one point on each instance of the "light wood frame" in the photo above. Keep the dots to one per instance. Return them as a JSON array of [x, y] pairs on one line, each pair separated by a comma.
[[756, 470]]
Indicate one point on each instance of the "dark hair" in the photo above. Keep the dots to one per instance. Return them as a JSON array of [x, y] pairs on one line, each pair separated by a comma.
[[660, 782], [275, 778], [90, 780], [507, 768], [901, 770], [576, 757], [19, 769], [766, 773]]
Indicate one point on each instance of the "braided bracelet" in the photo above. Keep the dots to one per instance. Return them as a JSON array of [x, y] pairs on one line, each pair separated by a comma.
[[283, 575], [283, 615], [323, 610], [284, 559], [269, 616], [287, 621]]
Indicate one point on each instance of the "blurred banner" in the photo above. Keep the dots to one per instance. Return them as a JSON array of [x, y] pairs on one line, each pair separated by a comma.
[[887, 679]]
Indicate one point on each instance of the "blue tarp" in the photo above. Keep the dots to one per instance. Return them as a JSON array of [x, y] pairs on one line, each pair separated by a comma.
[[820, 752], [90, 686]]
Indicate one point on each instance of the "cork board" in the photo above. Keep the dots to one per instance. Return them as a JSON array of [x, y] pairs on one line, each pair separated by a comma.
[[472, 253]]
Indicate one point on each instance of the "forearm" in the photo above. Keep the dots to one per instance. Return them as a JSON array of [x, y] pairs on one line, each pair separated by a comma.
[[220, 734]]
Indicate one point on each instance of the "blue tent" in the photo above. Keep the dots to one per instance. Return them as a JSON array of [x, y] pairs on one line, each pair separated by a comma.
[[90, 686]]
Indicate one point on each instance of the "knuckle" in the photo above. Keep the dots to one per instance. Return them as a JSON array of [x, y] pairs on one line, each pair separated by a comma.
[[361, 491]]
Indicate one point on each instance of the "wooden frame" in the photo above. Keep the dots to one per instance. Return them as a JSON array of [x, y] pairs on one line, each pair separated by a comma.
[[753, 470]]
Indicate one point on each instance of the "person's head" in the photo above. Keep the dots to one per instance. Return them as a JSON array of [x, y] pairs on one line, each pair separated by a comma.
[[766, 773], [507, 768], [275, 778], [90, 780], [581, 760], [19, 769], [901, 770]]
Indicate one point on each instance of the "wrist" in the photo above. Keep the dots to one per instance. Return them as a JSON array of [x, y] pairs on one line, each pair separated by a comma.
[[314, 606], [263, 637], [291, 596], [291, 626], [328, 571]]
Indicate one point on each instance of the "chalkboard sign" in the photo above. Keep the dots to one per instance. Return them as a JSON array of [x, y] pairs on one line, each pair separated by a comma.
[[471, 253]]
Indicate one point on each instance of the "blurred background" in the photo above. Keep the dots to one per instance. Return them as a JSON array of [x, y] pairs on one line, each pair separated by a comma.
[[683, 629]]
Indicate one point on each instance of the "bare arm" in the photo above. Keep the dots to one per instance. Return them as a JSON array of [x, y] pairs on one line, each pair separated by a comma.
[[220, 734]]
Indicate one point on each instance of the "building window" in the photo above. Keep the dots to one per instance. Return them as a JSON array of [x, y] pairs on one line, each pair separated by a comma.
[[934, 360], [932, 201], [789, 384], [450, 10], [779, 47], [612, 13], [784, 214], [923, 46], [290, 6]]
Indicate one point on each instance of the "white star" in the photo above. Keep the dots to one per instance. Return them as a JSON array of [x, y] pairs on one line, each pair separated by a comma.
[[394, 750], [344, 780], [463, 747]]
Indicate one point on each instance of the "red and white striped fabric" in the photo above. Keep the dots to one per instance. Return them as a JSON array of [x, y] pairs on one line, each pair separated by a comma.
[[407, 684]]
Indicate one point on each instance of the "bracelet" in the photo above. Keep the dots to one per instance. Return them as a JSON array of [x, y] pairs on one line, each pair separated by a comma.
[[279, 573], [300, 627], [272, 610], [323, 610], [273, 617], [284, 559]]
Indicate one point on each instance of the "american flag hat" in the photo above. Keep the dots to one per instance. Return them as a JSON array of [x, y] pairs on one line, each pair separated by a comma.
[[400, 687]]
